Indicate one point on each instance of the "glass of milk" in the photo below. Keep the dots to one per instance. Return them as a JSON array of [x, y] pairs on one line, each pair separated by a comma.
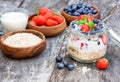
[[14, 19]]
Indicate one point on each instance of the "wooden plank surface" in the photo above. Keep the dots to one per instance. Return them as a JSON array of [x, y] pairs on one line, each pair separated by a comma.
[[89, 72], [37, 69], [42, 68]]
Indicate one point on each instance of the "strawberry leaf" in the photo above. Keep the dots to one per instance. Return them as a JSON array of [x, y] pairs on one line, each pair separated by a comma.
[[91, 24], [37, 10], [85, 18], [81, 22]]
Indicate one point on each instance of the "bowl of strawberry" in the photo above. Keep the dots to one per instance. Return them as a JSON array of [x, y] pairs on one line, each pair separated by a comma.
[[87, 41], [72, 11], [47, 22]]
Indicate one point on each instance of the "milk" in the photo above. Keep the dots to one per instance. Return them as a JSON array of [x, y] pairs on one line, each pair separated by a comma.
[[14, 21]]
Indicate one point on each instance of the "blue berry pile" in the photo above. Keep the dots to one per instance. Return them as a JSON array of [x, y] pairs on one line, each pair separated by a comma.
[[62, 64], [80, 9]]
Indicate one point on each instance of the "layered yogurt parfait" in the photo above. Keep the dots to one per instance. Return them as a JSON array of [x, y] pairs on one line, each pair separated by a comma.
[[87, 41]]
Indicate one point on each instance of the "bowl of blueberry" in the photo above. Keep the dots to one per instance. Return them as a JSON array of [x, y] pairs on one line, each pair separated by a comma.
[[72, 11], [87, 41]]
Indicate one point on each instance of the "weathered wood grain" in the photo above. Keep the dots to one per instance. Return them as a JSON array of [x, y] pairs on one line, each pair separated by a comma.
[[39, 68], [92, 74], [43, 67]]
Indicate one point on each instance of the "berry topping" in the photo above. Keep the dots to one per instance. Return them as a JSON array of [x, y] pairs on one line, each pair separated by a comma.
[[59, 59], [102, 63], [85, 28]]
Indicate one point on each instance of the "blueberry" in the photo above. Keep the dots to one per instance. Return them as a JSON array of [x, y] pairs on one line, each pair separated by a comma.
[[92, 32], [74, 7], [96, 21], [98, 43], [68, 9], [85, 12], [60, 65], [70, 67], [79, 6], [83, 6], [94, 11], [59, 59], [65, 63], [86, 9], [97, 28], [90, 14], [76, 14], [101, 26], [69, 13]]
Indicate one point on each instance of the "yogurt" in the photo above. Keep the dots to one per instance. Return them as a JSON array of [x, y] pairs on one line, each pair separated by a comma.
[[14, 21], [86, 44]]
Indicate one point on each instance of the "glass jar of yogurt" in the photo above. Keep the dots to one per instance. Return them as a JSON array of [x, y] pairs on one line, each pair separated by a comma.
[[87, 41]]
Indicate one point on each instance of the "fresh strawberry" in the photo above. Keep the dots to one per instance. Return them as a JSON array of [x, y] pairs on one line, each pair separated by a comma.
[[57, 18], [104, 40], [81, 17], [102, 63], [89, 18], [39, 19], [85, 28], [33, 23], [48, 15], [44, 10], [51, 22]]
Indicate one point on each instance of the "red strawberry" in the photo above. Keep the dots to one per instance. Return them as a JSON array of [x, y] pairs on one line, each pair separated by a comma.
[[44, 10], [81, 17], [89, 18], [57, 18], [33, 23], [39, 19], [102, 63], [48, 15], [85, 28], [51, 22], [104, 40]]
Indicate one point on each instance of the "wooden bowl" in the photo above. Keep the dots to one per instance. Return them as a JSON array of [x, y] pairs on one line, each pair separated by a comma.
[[48, 31], [70, 18], [22, 52]]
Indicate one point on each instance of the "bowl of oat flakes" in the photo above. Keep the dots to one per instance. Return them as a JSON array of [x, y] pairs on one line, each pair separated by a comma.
[[22, 44]]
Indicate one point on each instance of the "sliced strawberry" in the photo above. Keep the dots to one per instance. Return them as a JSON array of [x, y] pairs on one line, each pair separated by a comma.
[[39, 19], [57, 18], [48, 15], [89, 18], [85, 28], [81, 17], [104, 40], [102, 63], [44, 10], [51, 22]]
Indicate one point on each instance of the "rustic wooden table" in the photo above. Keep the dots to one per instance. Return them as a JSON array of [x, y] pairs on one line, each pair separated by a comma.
[[42, 68]]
